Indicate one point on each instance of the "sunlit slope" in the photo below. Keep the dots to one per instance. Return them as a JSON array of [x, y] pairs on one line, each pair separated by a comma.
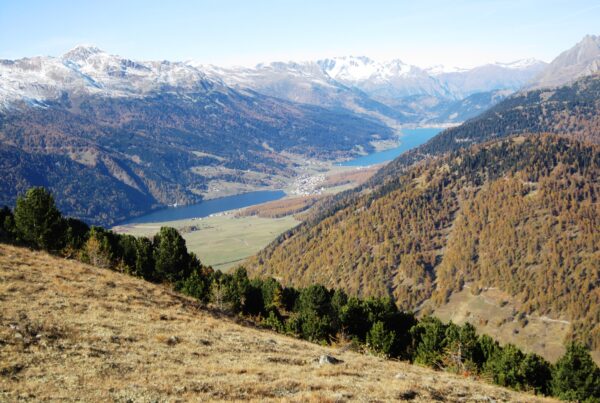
[[520, 215], [75, 332]]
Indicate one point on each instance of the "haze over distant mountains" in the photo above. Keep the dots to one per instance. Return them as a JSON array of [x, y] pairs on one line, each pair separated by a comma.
[[391, 91], [362, 84]]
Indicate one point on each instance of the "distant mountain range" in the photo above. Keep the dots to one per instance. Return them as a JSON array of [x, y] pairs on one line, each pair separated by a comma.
[[392, 89], [148, 134]]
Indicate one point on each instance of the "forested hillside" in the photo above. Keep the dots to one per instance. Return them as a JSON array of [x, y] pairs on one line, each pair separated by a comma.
[[141, 152], [520, 214]]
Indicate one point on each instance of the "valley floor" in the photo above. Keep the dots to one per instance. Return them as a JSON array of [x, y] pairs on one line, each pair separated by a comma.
[[225, 239], [72, 332]]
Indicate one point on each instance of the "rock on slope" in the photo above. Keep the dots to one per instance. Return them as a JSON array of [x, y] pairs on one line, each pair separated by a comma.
[[69, 331]]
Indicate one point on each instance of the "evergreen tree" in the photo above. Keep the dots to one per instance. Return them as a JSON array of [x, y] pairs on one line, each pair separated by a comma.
[[7, 225], [238, 287], [144, 259], [488, 348], [505, 367], [380, 340], [171, 258], [316, 313], [196, 285], [37, 220], [76, 234], [354, 319], [576, 376], [127, 251], [429, 336], [272, 294], [536, 373]]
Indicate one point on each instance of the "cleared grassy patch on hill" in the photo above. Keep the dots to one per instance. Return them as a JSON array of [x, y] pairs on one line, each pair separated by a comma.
[[496, 313]]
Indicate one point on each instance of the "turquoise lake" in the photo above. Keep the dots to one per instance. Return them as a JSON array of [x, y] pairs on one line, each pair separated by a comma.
[[208, 207], [410, 139]]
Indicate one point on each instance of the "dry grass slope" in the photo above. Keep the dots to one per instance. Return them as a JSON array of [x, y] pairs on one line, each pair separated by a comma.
[[72, 332]]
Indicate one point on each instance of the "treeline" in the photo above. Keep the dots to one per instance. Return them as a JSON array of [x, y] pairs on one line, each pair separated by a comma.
[[313, 313]]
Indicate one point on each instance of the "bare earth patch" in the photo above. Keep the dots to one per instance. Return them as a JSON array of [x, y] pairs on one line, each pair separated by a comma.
[[72, 332]]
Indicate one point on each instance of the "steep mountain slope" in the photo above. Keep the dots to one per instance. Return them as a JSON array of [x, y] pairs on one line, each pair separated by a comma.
[[74, 332], [581, 60], [144, 128], [521, 215], [469, 107]]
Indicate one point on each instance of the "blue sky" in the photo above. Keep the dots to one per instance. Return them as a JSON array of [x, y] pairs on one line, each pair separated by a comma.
[[453, 32]]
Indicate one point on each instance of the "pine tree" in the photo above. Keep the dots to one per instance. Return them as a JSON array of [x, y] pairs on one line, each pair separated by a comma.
[[576, 376], [37, 220], [380, 340], [144, 259], [171, 258]]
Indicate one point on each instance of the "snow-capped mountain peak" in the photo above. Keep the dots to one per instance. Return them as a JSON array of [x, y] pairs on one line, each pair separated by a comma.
[[81, 53], [443, 69], [352, 69], [90, 70]]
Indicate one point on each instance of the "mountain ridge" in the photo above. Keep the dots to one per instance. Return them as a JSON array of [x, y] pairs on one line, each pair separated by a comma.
[[581, 60]]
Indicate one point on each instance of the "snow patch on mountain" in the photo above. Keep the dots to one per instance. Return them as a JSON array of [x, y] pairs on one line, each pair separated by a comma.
[[89, 70]]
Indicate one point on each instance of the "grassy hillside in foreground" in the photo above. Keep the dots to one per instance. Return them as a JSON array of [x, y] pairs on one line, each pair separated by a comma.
[[70, 331], [521, 215]]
